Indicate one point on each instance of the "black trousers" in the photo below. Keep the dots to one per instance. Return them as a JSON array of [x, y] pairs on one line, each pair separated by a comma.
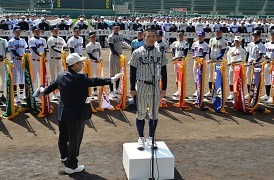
[[190, 42], [70, 138], [102, 41]]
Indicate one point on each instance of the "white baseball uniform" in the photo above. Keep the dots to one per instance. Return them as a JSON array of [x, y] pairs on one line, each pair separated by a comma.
[[77, 44], [94, 49]]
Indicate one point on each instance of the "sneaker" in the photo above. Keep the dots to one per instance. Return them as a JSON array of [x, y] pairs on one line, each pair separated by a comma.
[[195, 94], [149, 143], [80, 168], [16, 99], [176, 94], [112, 94], [22, 96], [208, 94], [230, 97], [246, 97], [265, 98], [270, 101], [54, 97], [141, 143]]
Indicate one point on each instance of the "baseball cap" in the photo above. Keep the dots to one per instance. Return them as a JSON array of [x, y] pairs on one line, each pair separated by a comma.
[[81, 19], [102, 17], [238, 38], [17, 28], [53, 27], [159, 33], [76, 28], [200, 33], [115, 24], [120, 17], [92, 33], [219, 30], [74, 58], [181, 31], [35, 28], [256, 32]]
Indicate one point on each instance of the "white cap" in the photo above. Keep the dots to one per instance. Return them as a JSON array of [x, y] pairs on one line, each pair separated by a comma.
[[81, 19], [74, 58], [43, 19], [154, 19], [23, 16], [120, 17], [137, 18], [102, 17], [238, 38], [62, 19]]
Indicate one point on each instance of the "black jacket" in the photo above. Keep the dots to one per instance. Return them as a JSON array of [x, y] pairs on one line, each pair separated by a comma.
[[63, 26], [102, 25], [44, 26], [242, 29], [190, 29], [24, 25], [73, 89]]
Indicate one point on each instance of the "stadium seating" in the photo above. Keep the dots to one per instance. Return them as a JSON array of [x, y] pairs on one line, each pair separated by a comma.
[[15, 4], [225, 6]]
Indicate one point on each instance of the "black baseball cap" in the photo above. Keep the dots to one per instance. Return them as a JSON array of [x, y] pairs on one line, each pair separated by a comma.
[[92, 33], [76, 28], [35, 28], [181, 31], [159, 33], [17, 28], [256, 32], [53, 27]]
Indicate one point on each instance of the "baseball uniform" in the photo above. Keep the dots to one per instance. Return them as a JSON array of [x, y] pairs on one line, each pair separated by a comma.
[[76, 43]]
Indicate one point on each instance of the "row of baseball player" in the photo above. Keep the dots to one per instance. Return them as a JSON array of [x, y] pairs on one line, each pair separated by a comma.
[[216, 49]]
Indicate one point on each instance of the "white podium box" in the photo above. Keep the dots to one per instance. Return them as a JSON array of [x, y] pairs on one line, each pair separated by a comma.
[[137, 164]]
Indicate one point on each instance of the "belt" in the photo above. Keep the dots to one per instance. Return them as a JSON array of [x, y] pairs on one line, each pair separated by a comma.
[[36, 59], [146, 82], [55, 58]]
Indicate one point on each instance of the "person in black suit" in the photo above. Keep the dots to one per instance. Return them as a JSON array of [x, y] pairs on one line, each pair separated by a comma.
[[207, 29], [190, 28], [102, 25], [73, 87], [242, 29]]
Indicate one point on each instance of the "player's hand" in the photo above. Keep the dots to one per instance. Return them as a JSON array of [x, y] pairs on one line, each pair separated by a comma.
[[133, 93], [42, 90], [117, 76], [162, 93]]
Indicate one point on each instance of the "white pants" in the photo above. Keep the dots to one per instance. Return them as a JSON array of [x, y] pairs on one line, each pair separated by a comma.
[[18, 72], [55, 66], [231, 75], [195, 72], [2, 77], [94, 69], [267, 75], [36, 74], [210, 73]]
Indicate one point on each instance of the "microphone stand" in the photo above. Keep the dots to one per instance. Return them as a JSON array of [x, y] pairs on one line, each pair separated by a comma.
[[153, 149]]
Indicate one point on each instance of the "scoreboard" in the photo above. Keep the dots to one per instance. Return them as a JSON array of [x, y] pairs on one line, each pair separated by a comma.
[[83, 4]]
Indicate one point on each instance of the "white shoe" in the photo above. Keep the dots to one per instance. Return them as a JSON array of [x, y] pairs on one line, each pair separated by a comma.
[[149, 143], [80, 168], [195, 94], [176, 94], [54, 97], [141, 143], [112, 94], [230, 97], [22, 96], [16, 99], [270, 100], [246, 97], [208, 94], [265, 98]]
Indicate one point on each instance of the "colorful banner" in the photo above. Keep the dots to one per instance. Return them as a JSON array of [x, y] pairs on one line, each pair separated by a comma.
[[30, 101], [87, 71], [123, 99], [10, 108], [272, 81], [256, 88], [103, 100], [201, 66], [46, 108], [239, 82], [181, 77], [64, 64], [218, 94]]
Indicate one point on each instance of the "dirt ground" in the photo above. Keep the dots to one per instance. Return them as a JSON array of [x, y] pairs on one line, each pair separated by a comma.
[[206, 145]]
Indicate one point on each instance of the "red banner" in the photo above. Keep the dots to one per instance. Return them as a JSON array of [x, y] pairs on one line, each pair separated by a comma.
[[239, 77], [46, 108]]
